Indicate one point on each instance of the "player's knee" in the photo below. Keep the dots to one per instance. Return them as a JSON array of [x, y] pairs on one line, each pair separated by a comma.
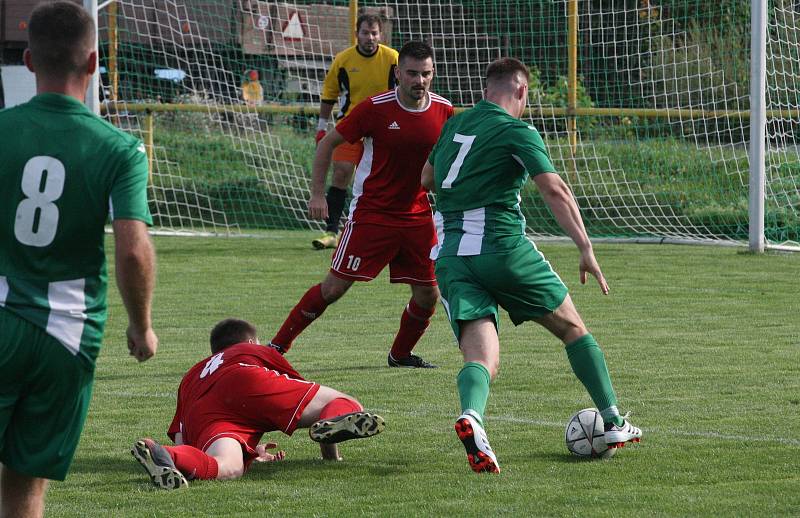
[[333, 292], [341, 175], [229, 471], [428, 298], [572, 332], [333, 287]]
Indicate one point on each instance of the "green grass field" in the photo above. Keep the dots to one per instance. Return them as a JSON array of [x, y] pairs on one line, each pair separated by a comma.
[[703, 345]]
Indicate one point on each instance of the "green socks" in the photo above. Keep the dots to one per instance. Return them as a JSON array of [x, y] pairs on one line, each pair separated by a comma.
[[473, 387], [589, 365]]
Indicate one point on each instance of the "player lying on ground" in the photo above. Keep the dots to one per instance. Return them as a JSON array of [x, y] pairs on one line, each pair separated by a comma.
[[483, 260], [227, 401], [390, 220]]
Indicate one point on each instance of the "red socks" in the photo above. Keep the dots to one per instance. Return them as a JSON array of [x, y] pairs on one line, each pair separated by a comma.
[[311, 306], [340, 406], [193, 463], [413, 323]]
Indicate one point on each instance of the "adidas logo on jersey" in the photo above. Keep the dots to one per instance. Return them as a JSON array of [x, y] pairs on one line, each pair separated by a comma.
[[394, 125]]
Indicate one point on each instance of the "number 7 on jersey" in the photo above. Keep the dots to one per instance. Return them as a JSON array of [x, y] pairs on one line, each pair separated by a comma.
[[455, 167]]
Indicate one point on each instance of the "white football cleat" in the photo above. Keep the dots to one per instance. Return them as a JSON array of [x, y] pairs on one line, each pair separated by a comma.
[[617, 436]]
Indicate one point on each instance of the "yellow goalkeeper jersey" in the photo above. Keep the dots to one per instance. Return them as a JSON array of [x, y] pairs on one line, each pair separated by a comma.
[[353, 77]]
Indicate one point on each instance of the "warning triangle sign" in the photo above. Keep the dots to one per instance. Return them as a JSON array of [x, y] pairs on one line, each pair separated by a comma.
[[294, 29]]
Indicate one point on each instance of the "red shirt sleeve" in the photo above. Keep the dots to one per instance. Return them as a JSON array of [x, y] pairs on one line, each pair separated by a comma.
[[355, 126]]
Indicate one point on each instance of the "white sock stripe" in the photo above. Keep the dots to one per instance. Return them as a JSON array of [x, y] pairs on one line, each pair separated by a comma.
[[3, 290]]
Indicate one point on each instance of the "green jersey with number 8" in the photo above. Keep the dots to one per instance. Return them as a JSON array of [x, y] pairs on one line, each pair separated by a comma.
[[481, 161], [63, 171]]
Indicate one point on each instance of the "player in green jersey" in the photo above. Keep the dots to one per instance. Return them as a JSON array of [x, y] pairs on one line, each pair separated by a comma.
[[63, 170], [483, 260]]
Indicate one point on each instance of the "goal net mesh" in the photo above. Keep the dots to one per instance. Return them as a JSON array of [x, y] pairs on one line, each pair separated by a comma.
[[654, 144]]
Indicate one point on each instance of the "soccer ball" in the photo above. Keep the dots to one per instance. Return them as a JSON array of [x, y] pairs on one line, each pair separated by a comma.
[[585, 435]]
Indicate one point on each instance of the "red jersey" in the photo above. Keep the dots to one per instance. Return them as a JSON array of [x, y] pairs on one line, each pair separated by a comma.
[[397, 142], [211, 371]]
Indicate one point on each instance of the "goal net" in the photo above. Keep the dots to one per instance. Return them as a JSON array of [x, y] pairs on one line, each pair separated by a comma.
[[644, 105]]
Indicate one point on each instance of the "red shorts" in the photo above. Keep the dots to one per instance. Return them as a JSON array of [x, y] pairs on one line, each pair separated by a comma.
[[244, 403], [347, 152], [366, 248]]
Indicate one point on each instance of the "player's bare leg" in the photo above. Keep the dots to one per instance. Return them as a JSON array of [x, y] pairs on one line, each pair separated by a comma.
[[335, 197], [565, 322], [21, 495], [480, 347], [228, 454], [415, 320], [333, 417], [589, 364], [333, 287]]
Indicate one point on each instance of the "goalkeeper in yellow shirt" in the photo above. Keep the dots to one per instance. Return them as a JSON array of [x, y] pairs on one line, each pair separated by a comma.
[[358, 72]]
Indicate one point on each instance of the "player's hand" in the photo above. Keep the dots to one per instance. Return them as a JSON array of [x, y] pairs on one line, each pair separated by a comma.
[[589, 265], [320, 135], [318, 207], [142, 344], [265, 456]]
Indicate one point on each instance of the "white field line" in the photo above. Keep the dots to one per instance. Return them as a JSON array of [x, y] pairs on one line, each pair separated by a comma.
[[521, 420], [645, 431]]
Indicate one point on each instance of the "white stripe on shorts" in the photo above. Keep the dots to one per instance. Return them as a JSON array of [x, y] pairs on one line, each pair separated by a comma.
[[67, 312], [343, 240]]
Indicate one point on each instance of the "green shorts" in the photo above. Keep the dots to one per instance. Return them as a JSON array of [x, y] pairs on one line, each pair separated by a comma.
[[520, 281], [44, 396]]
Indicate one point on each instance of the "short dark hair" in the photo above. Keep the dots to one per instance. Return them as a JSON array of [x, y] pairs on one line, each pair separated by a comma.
[[59, 34], [416, 50], [229, 332], [369, 19], [504, 68]]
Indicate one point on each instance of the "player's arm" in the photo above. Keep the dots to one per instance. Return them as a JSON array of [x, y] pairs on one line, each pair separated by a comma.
[[325, 110], [178, 439], [329, 94], [559, 198], [135, 273], [427, 176], [317, 205]]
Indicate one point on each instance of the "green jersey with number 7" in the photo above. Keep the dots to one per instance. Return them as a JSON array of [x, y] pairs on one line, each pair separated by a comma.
[[489, 155], [63, 172]]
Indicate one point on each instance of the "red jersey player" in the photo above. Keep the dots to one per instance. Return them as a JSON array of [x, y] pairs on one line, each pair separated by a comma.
[[390, 218], [227, 401]]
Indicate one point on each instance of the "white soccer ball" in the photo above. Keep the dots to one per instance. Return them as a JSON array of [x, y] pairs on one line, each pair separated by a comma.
[[585, 435]]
